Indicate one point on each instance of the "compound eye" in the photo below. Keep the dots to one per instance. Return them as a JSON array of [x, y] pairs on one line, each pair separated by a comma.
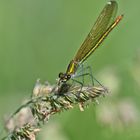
[[61, 75], [68, 77]]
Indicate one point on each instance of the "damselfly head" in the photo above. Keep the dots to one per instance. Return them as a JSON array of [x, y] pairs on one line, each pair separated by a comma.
[[63, 77]]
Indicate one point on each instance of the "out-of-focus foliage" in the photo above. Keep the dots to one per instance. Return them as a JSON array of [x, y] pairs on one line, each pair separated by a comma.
[[39, 38]]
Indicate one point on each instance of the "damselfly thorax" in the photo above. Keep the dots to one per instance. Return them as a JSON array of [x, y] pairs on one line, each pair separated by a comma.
[[71, 70]]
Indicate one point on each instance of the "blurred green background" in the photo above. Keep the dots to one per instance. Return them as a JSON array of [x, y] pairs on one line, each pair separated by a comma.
[[39, 38]]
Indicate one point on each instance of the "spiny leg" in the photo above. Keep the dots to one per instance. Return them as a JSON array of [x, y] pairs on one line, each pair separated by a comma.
[[83, 73]]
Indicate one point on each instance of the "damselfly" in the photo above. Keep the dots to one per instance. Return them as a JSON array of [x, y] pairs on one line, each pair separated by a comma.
[[104, 24]]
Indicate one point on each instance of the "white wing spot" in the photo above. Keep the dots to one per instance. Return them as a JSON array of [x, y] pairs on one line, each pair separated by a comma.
[[109, 2]]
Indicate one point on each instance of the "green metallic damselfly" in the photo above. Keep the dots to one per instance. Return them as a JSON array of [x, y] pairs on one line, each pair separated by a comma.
[[104, 24]]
